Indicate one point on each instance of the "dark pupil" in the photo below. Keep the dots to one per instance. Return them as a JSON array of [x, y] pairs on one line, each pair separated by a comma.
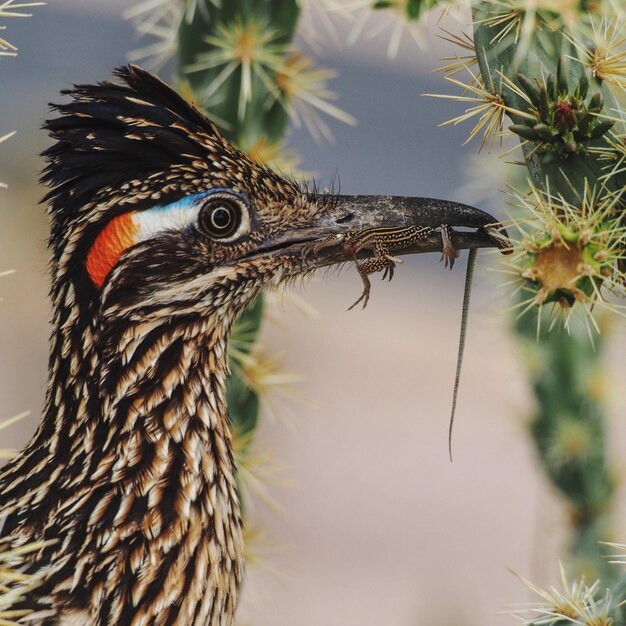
[[221, 218]]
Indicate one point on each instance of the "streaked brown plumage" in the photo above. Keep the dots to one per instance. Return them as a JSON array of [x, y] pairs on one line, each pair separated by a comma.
[[162, 233]]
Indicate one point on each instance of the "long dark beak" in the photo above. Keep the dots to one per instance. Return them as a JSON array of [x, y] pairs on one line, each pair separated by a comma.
[[346, 216], [357, 213]]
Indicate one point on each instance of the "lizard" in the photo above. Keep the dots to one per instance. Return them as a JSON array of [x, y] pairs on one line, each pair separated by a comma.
[[382, 240]]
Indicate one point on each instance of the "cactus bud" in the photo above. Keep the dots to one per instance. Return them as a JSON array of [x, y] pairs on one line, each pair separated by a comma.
[[584, 123], [601, 128], [583, 86], [551, 86], [596, 103], [564, 115], [561, 76], [544, 106], [530, 87], [545, 133], [526, 132]]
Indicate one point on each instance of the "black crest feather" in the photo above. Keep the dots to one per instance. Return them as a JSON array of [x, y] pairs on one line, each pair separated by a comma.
[[111, 133]]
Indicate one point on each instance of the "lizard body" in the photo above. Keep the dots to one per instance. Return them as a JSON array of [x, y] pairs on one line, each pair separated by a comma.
[[382, 241]]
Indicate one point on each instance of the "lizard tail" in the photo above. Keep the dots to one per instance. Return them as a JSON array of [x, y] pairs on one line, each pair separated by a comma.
[[469, 275]]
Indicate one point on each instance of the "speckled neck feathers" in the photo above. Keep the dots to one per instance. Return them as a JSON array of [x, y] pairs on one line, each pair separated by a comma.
[[130, 477]]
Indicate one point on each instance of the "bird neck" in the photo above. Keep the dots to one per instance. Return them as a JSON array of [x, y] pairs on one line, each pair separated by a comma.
[[133, 457]]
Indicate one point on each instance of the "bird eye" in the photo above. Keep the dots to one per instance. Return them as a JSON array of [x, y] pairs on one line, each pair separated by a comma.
[[220, 217]]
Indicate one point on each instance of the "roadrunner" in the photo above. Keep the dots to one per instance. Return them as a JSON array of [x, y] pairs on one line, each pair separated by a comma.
[[161, 234]]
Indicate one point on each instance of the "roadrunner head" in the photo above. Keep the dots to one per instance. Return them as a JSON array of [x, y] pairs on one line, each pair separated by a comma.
[[154, 211]]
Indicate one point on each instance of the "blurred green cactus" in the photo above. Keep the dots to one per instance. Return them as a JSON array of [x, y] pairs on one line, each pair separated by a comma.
[[237, 61], [569, 432], [232, 57], [411, 9], [229, 60]]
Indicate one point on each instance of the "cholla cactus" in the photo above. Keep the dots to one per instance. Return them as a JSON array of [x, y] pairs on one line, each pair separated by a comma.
[[571, 603], [573, 254], [557, 69]]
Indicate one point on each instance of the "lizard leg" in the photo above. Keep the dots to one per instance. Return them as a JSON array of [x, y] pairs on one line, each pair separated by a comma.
[[381, 260], [389, 270], [449, 254], [391, 266], [365, 268], [328, 242]]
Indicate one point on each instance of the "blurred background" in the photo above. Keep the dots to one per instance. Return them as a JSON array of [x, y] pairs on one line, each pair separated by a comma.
[[375, 526]]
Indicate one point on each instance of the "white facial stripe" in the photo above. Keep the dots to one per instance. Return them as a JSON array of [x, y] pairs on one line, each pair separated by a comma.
[[180, 214], [175, 216]]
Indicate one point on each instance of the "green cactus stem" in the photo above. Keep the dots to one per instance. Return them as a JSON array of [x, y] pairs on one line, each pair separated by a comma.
[[560, 112], [231, 56]]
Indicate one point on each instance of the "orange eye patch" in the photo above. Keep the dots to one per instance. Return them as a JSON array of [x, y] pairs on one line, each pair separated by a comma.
[[120, 233], [133, 227]]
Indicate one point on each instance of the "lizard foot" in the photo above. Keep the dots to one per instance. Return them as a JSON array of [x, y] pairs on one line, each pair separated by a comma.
[[365, 296], [449, 254], [368, 266]]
